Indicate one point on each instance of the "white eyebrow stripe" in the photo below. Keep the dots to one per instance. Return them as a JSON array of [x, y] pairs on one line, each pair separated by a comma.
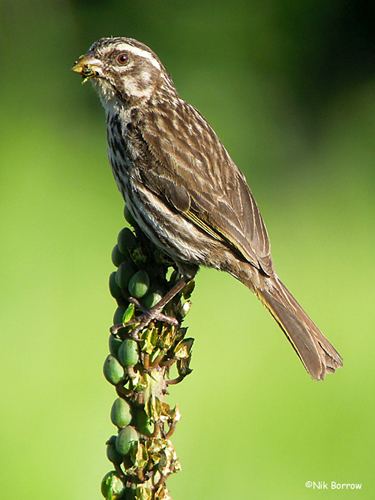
[[139, 52]]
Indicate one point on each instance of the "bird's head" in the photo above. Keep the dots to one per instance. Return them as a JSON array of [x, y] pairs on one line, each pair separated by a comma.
[[122, 70]]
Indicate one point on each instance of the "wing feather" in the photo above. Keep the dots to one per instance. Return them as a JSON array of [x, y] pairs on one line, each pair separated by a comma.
[[191, 169]]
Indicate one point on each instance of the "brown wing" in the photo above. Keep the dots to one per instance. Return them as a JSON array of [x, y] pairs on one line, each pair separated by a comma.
[[193, 172]]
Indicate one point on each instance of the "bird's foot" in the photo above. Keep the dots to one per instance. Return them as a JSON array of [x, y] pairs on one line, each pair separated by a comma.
[[144, 319]]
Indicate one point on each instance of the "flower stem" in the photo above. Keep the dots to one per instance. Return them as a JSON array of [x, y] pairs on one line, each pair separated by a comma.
[[142, 355]]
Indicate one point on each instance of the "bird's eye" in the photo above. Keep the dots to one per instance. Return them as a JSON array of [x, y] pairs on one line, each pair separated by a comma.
[[122, 58]]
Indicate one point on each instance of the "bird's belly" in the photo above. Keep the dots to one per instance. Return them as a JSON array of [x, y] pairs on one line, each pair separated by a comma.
[[168, 230]]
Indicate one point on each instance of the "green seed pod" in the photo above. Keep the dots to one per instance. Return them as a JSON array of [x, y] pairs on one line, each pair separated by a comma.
[[123, 274], [112, 486], [112, 370], [185, 308], [112, 454], [117, 256], [126, 437], [174, 277], [129, 313], [151, 299], [139, 284], [126, 241], [120, 413], [128, 353], [131, 494], [119, 315], [138, 256], [114, 289], [188, 290], [129, 218], [114, 344], [144, 423]]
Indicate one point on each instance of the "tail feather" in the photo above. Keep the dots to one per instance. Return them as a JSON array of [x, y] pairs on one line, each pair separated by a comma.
[[314, 350]]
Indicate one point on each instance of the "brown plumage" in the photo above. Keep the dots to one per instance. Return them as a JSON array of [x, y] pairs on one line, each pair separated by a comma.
[[184, 190]]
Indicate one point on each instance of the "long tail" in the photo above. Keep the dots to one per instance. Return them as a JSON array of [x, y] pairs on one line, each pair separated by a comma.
[[314, 350]]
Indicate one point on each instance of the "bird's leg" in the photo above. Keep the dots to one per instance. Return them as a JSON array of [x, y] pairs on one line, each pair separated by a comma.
[[155, 313]]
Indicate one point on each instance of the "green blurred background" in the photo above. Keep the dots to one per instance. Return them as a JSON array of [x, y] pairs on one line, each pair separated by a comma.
[[290, 89]]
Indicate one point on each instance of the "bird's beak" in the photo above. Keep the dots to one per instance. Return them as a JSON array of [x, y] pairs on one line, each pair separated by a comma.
[[88, 67]]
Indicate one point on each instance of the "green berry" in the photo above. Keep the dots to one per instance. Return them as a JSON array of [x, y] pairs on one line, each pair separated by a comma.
[[123, 274], [112, 454], [117, 256], [114, 344], [144, 423], [129, 313], [112, 486], [114, 289], [128, 217], [126, 241], [125, 439], [119, 315], [128, 353], [131, 494], [139, 284], [151, 299], [112, 370], [185, 308], [120, 413], [188, 290]]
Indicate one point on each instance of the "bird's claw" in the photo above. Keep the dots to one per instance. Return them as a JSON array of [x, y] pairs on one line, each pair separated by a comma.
[[151, 315], [143, 320]]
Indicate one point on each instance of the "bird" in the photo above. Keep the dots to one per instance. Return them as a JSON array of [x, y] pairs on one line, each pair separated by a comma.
[[185, 192]]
